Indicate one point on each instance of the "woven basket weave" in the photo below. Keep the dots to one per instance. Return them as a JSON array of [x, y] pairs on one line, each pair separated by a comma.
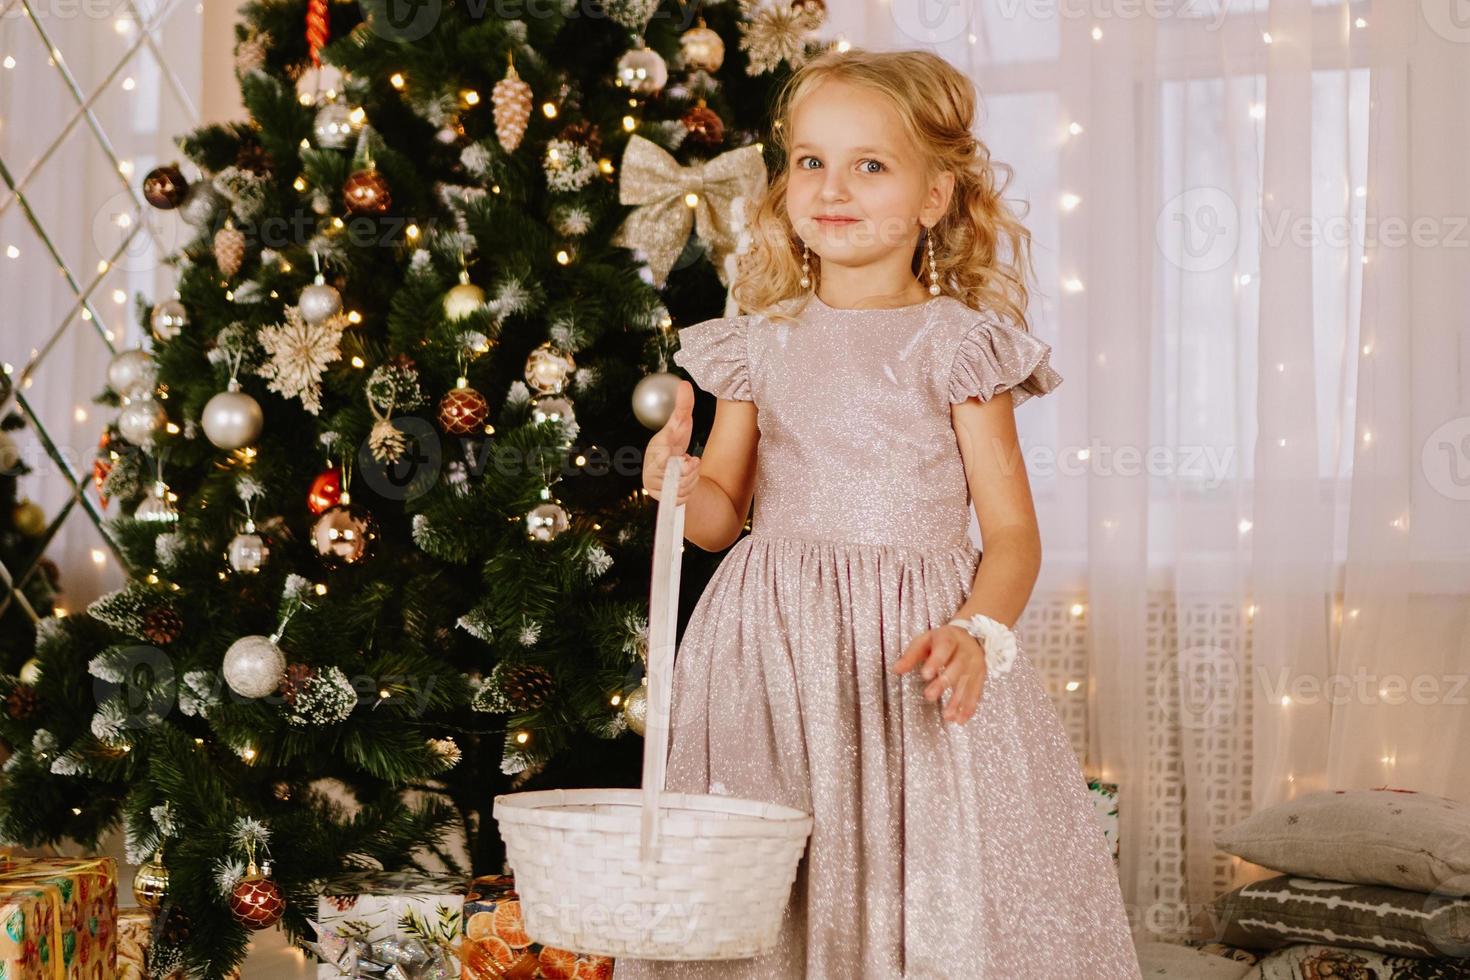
[[644, 873]]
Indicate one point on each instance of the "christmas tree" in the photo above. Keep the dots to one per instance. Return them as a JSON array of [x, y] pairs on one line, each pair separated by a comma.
[[379, 460], [28, 590]]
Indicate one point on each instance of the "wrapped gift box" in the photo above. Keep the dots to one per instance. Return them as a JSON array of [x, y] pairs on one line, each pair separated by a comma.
[[86, 909], [30, 932], [1105, 798], [377, 907], [134, 940], [496, 946]]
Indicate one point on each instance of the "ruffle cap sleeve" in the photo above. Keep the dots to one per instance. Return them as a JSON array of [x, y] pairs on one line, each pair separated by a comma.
[[994, 356], [715, 355]]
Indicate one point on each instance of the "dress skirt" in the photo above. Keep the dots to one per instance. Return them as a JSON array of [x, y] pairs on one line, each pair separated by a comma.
[[938, 850]]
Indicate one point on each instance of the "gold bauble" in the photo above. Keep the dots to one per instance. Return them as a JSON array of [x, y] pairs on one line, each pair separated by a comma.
[[635, 708], [150, 884]]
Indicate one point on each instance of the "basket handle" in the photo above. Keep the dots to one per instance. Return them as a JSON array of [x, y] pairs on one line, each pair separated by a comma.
[[663, 625]]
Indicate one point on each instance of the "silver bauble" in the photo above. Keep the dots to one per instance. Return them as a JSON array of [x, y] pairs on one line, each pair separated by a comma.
[[556, 408], [203, 200], [168, 319], [319, 302], [254, 666], [547, 369], [156, 508], [546, 521], [463, 300], [140, 421], [248, 551], [344, 534], [232, 419], [635, 708], [333, 126], [654, 397], [643, 71], [132, 373]]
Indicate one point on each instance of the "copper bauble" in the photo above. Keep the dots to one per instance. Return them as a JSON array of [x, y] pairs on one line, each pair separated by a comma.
[[366, 192], [344, 534], [165, 187]]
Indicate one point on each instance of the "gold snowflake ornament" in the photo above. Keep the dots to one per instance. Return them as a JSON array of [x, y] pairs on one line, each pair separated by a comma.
[[773, 31], [298, 354]]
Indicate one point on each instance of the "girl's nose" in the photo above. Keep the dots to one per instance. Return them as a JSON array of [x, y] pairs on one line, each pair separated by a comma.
[[834, 188]]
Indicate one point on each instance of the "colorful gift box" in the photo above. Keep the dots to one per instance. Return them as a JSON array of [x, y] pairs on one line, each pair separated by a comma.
[[135, 940], [379, 907], [496, 945], [30, 932], [86, 901], [1105, 799]]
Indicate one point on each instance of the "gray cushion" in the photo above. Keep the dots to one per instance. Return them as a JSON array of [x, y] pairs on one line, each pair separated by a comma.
[[1366, 836], [1178, 962]]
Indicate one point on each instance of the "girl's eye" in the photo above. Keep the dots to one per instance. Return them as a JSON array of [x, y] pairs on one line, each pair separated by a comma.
[[801, 163], [878, 166]]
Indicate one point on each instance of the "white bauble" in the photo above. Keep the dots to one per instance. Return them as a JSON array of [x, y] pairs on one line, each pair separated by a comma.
[[232, 419], [141, 421], [248, 552], [132, 373], [319, 302], [168, 319], [653, 399], [254, 666]]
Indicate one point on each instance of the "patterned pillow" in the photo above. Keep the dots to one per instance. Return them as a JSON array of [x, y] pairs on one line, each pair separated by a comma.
[[1177, 962], [1284, 910], [1388, 837], [1336, 963]]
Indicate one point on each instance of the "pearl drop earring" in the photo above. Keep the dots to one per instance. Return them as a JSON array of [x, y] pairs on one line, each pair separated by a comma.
[[933, 269], [806, 267]]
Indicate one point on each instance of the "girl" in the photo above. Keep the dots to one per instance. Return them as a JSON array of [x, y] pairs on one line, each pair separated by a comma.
[[852, 655]]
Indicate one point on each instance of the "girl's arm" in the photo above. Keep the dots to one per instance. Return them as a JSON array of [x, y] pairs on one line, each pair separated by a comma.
[[716, 489], [1001, 491], [720, 501]]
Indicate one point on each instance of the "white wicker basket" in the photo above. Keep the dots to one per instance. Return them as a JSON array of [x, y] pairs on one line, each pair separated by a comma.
[[644, 873]]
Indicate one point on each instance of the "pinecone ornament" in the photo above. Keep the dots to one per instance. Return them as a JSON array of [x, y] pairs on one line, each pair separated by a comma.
[[162, 625], [23, 702], [526, 686], [584, 132], [171, 928], [229, 249], [296, 677], [512, 99], [255, 158]]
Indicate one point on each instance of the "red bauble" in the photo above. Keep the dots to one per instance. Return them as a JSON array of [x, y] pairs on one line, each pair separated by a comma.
[[705, 126], [463, 411], [366, 192], [326, 491], [256, 902]]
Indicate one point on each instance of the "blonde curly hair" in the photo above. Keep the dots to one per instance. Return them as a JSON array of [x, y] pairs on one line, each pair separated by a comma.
[[981, 249]]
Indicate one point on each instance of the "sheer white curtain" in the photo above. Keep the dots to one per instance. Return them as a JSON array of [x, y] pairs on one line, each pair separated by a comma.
[[92, 95], [1254, 486]]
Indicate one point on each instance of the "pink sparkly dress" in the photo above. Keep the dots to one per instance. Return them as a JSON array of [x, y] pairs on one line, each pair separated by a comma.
[[938, 851]]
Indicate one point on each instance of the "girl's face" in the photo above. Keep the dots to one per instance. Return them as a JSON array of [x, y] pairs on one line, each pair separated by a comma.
[[857, 189]]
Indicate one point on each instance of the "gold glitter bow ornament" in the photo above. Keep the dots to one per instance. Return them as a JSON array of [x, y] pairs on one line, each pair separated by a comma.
[[671, 199]]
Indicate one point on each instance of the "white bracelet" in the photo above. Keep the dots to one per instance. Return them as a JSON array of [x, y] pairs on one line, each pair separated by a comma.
[[998, 641]]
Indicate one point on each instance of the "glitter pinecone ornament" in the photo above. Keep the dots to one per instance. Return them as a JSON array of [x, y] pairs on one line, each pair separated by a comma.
[[22, 703], [229, 249], [526, 686], [162, 625], [584, 132], [512, 100]]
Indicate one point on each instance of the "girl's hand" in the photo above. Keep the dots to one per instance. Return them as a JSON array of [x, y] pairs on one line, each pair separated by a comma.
[[955, 660], [673, 440]]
